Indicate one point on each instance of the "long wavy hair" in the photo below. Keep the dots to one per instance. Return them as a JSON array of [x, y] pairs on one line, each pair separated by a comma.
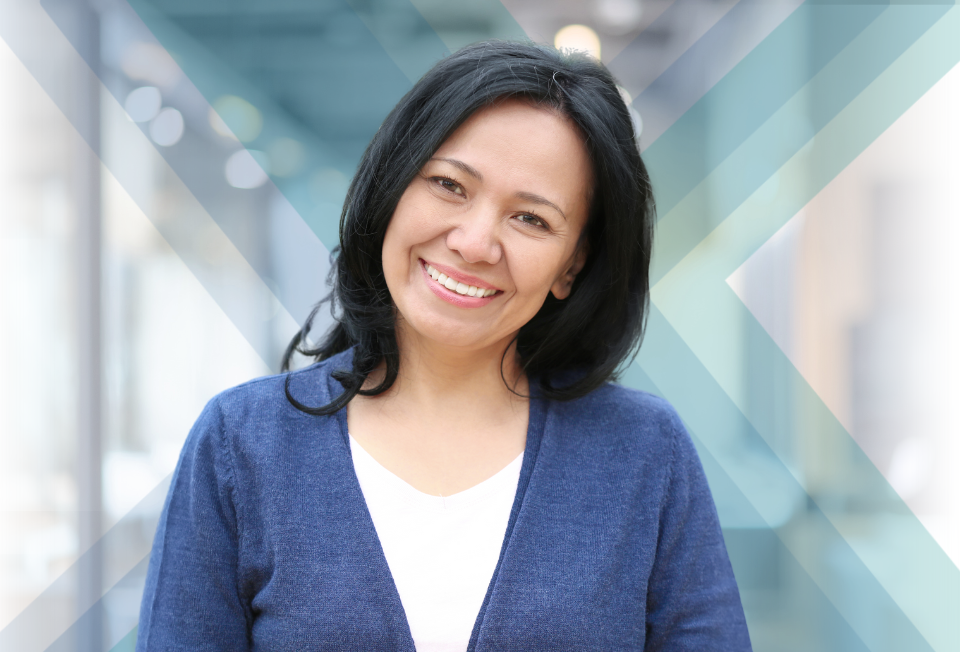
[[572, 346]]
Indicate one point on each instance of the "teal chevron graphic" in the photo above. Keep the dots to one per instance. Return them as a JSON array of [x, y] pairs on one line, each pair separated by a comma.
[[769, 76], [848, 569], [914, 586], [690, 207], [708, 58]]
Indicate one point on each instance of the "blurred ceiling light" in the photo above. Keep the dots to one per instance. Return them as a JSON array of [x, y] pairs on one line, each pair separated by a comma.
[[328, 186], [150, 62], [241, 118], [578, 37], [143, 104], [218, 125], [167, 128], [286, 157], [618, 17], [245, 169]]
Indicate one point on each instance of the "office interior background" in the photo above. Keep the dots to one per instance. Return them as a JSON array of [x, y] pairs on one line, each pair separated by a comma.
[[171, 177]]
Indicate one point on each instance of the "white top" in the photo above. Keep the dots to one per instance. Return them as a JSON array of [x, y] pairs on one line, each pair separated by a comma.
[[441, 551]]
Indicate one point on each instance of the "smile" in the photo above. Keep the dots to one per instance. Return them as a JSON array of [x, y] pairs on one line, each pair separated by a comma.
[[452, 284], [461, 290]]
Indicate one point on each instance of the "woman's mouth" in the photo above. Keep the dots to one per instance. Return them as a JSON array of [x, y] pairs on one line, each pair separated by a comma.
[[462, 290]]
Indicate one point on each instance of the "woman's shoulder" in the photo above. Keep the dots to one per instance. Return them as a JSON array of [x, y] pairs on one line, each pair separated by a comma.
[[258, 410], [252, 427], [616, 406], [621, 424]]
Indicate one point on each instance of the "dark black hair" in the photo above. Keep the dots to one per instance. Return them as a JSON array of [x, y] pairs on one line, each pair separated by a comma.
[[572, 346]]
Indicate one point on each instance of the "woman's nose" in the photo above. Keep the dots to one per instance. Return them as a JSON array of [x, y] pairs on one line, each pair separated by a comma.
[[476, 236]]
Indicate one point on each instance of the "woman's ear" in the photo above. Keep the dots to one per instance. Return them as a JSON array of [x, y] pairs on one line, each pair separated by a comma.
[[561, 288]]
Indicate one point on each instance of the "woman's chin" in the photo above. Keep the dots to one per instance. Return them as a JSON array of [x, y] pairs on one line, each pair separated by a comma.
[[455, 334], [452, 339]]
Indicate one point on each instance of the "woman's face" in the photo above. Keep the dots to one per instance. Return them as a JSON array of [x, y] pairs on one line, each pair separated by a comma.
[[498, 211]]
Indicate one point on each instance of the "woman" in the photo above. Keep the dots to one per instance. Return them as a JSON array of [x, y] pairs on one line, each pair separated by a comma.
[[457, 472]]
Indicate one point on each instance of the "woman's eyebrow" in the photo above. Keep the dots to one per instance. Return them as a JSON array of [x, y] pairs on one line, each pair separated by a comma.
[[543, 201], [469, 169]]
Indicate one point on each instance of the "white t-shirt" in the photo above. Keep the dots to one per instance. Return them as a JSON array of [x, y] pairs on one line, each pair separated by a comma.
[[441, 551]]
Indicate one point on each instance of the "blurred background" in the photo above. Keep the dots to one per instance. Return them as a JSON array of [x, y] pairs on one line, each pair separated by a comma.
[[171, 177]]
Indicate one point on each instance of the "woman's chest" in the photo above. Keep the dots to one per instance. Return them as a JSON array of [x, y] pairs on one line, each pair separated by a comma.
[[569, 577], [572, 570]]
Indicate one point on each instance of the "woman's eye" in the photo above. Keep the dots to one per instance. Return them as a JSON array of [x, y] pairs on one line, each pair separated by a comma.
[[532, 220], [452, 186]]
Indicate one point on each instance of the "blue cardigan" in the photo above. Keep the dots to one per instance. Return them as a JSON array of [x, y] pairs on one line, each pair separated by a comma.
[[265, 541]]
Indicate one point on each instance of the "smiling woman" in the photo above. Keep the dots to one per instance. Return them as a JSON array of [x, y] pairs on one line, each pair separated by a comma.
[[471, 214], [458, 470]]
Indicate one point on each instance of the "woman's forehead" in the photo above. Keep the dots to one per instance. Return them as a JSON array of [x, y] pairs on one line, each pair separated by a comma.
[[518, 143]]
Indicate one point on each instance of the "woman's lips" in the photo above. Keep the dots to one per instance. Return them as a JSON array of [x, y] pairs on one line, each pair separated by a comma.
[[458, 295], [457, 276]]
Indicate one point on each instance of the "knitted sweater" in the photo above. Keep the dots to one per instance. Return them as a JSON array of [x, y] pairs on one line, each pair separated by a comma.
[[265, 541]]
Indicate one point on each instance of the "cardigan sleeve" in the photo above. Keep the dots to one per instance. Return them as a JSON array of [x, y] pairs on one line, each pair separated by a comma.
[[191, 599], [692, 602]]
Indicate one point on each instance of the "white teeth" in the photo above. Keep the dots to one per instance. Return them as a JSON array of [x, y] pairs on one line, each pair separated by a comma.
[[456, 286]]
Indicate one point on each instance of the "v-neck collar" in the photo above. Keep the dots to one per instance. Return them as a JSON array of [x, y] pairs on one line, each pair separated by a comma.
[[535, 425], [402, 493]]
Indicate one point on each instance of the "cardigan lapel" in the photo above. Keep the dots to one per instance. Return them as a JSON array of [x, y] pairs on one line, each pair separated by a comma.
[[391, 606], [535, 427]]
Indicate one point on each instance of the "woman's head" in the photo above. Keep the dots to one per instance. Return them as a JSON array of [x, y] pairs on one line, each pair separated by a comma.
[[498, 208], [591, 316]]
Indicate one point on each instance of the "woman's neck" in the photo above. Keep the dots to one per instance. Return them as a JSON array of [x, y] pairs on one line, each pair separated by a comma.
[[437, 378], [449, 421]]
